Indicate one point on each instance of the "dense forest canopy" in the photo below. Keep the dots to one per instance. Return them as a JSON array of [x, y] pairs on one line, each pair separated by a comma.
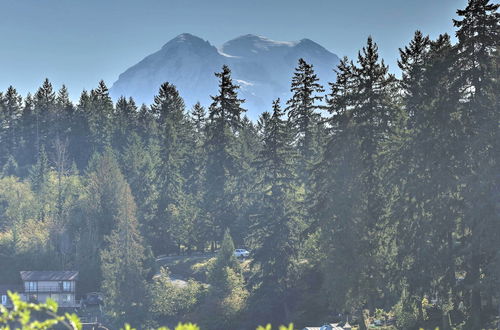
[[373, 193]]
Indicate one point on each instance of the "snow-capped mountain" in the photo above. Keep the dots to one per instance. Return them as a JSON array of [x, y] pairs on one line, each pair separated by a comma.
[[262, 67]]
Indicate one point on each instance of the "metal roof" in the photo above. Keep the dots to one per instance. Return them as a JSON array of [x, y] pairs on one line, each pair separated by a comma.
[[49, 275]]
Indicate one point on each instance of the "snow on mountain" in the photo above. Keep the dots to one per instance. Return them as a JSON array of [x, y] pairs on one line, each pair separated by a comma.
[[262, 67]]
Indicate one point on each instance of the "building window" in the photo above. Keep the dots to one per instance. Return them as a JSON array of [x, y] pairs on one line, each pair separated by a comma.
[[32, 286], [66, 286], [4, 299]]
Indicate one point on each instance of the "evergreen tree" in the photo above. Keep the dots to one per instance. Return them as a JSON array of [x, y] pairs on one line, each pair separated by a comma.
[[100, 117], [125, 121], [222, 161], [63, 113], [302, 114], [98, 216], [45, 109], [39, 174], [479, 36], [80, 143], [227, 295], [412, 64], [427, 164], [276, 230], [28, 153], [10, 113], [226, 106], [140, 162], [122, 263], [170, 114]]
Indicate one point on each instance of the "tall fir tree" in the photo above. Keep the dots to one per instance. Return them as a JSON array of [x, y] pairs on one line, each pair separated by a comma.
[[45, 113], [124, 283], [100, 117], [169, 110], [222, 160], [277, 227], [301, 109], [478, 36], [10, 125]]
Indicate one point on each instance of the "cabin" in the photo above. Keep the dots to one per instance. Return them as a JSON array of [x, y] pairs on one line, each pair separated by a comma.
[[332, 326], [60, 286], [4, 297]]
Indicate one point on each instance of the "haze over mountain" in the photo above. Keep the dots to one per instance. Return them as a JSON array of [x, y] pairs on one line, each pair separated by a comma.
[[261, 66]]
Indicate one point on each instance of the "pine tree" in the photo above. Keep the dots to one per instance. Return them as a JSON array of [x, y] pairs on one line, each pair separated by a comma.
[[122, 263], [104, 184], [145, 122], [140, 162], [171, 120], [349, 204], [39, 178], [225, 258], [80, 143], [222, 161], [412, 64], [227, 295], [302, 114], [479, 36], [28, 153], [39, 174], [199, 118], [194, 172], [126, 121], [100, 117], [63, 113], [11, 110], [275, 232], [226, 106], [45, 109], [427, 165]]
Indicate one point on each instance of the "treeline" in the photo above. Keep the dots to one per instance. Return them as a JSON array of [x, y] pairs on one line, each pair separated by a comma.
[[374, 193]]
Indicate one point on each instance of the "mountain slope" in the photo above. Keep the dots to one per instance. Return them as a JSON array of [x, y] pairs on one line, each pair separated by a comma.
[[262, 67]]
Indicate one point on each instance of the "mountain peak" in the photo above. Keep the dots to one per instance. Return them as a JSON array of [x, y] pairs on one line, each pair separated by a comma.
[[261, 66], [309, 43], [186, 38], [253, 44]]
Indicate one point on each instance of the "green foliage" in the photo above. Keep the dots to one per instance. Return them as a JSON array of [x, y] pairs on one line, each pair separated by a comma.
[[122, 262], [170, 300], [388, 201], [21, 316], [269, 327]]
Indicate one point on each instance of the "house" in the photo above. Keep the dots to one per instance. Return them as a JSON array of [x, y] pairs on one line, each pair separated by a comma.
[[60, 286], [332, 326], [4, 298]]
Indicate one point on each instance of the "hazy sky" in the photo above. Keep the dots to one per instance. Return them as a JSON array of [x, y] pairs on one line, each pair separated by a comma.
[[79, 42]]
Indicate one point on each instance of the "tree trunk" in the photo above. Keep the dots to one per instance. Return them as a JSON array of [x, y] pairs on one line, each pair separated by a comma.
[[475, 296], [420, 312], [363, 320], [445, 323]]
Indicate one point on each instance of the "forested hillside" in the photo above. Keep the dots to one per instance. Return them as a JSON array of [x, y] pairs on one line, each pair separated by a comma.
[[371, 193]]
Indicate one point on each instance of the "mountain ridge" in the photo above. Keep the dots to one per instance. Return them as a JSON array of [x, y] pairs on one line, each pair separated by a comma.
[[261, 66]]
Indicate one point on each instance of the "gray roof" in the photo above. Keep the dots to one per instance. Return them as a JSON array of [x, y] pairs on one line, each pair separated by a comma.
[[49, 275], [332, 326], [10, 287]]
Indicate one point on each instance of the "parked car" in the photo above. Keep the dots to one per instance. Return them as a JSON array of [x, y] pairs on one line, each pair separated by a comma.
[[241, 253]]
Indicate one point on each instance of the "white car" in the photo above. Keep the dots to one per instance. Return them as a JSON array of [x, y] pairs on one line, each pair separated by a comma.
[[241, 253]]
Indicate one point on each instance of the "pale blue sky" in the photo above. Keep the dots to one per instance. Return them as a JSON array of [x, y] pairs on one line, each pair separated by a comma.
[[79, 42]]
